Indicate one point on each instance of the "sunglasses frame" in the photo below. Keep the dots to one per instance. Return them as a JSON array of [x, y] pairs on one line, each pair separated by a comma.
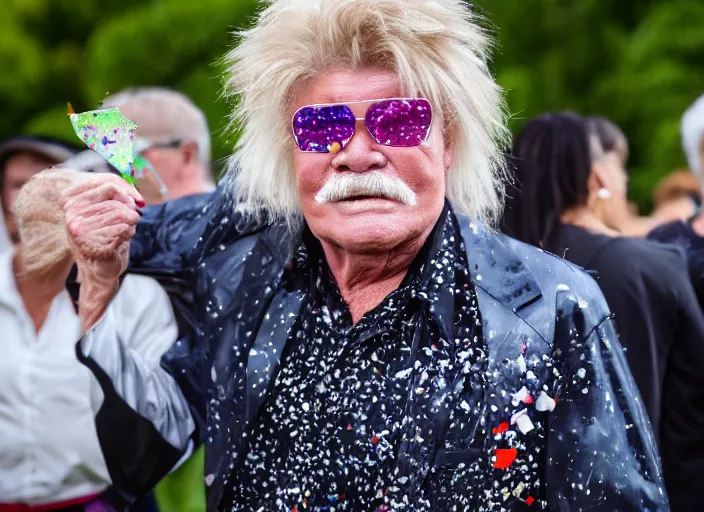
[[371, 102]]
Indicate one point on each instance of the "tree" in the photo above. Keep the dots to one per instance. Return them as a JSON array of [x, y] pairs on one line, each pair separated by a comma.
[[61, 51], [638, 63]]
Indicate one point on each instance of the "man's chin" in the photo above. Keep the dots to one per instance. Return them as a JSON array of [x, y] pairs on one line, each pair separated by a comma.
[[367, 225], [367, 235]]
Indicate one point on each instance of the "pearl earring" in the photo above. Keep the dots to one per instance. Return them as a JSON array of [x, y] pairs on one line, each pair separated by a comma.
[[603, 194]]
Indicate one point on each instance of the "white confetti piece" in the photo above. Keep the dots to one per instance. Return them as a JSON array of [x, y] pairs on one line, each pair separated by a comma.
[[544, 403]]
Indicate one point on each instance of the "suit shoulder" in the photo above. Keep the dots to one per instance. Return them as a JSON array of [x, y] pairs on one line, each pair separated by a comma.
[[550, 270], [634, 259], [565, 287]]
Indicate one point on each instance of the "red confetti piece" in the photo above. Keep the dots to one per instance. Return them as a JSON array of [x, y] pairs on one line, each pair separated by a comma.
[[434, 347], [505, 457], [503, 427], [375, 439], [349, 427], [528, 400], [342, 496], [529, 500]]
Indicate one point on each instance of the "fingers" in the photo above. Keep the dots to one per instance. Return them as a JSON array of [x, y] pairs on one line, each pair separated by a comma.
[[103, 187], [81, 219], [105, 244]]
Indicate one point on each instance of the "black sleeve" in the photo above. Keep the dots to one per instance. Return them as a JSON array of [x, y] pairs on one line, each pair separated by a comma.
[[602, 453], [682, 425], [150, 415], [601, 450]]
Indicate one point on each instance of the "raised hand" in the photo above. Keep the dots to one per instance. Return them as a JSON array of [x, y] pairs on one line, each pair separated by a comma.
[[100, 213]]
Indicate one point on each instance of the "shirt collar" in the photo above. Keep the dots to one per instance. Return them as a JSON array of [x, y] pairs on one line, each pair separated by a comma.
[[427, 272], [9, 295]]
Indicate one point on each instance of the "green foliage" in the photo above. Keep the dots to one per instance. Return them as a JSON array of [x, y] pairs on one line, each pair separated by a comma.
[[58, 51], [638, 63], [183, 490]]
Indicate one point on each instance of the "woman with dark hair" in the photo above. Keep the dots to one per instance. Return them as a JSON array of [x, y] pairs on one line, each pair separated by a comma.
[[560, 171]]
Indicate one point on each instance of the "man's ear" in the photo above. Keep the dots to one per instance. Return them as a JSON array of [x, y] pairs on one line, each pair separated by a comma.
[[449, 153], [447, 159], [190, 152]]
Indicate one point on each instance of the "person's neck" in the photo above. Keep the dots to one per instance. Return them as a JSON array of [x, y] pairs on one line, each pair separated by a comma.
[[365, 279], [39, 290], [194, 185], [585, 218]]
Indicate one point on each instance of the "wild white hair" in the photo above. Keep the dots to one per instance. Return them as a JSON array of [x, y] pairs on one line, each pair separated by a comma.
[[165, 115], [436, 48], [693, 136]]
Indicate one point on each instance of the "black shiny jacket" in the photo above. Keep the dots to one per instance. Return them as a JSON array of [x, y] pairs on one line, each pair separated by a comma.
[[545, 324]]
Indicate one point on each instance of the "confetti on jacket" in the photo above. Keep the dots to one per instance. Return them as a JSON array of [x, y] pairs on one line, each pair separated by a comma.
[[110, 134]]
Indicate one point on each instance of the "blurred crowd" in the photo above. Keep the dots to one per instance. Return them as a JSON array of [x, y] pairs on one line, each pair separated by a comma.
[[568, 195]]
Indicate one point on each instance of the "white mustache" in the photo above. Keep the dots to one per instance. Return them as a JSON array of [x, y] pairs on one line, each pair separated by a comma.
[[373, 183]]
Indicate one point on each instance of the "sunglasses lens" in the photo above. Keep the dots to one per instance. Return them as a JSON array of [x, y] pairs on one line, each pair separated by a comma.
[[400, 123], [316, 129]]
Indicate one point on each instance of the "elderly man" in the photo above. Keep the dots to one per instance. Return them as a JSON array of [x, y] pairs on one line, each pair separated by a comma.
[[690, 234], [173, 141], [359, 343]]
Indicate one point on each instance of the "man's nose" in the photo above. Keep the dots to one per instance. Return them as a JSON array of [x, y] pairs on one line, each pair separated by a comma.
[[361, 153]]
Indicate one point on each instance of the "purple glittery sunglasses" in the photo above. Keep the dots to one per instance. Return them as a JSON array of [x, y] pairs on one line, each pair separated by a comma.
[[399, 122]]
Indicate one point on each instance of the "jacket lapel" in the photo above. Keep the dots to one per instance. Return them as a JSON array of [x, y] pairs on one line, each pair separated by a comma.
[[267, 348], [505, 287], [496, 269], [500, 276]]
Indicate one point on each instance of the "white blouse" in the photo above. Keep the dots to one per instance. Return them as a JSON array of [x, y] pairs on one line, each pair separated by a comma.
[[49, 450]]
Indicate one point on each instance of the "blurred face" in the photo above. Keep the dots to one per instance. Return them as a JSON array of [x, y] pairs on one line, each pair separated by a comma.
[[172, 160], [167, 162], [616, 177], [390, 194], [18, 170]]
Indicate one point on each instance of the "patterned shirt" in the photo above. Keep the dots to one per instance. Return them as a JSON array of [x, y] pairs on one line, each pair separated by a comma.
[[330, 435]]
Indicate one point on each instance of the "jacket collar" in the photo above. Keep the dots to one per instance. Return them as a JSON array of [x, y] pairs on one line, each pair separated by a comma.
[[9, 295], [496, 268], [493, 264]]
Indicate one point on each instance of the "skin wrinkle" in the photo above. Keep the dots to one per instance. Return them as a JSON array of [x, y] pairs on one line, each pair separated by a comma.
[[369, 244]]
